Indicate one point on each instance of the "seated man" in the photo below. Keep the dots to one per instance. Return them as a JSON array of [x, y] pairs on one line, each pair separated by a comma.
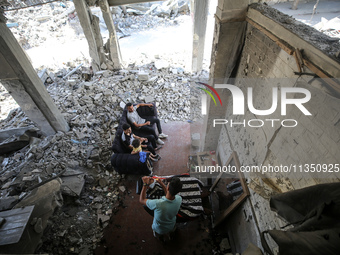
[[145, 124], [166, 208], [147, 142]]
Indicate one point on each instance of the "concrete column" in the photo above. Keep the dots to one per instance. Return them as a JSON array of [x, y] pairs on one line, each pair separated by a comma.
[[199, 14], [115, 54], [230, 26], [90, 25], [22, 82], [228, 36]]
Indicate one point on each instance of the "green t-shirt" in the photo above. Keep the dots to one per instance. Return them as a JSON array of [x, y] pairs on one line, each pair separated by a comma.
[[165, 212]]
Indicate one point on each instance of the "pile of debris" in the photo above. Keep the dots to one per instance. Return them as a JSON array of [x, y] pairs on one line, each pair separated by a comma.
[[329, 27], [34, 25], [73, 169], [7, 103], [169, 8]]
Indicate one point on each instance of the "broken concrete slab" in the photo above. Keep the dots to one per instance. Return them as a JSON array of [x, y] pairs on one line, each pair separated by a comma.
[[72, 172], [14, 144], [8, 202], [73, 185], [4, 134], [45, 199], [149, 99]]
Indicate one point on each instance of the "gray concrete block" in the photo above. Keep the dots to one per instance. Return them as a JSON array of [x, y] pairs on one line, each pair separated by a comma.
[[143, 76], [149, 99]]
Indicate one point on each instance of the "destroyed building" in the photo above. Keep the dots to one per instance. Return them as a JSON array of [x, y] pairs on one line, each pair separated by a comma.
[[271, 122]]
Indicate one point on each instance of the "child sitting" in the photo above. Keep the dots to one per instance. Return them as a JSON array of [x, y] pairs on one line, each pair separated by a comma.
[[137, 148]]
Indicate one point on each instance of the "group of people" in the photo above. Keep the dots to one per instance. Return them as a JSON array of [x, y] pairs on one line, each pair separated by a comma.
[[166, 208], [150, 142]]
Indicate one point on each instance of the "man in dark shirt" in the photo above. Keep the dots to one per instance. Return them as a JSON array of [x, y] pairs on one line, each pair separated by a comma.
[[147, 142]]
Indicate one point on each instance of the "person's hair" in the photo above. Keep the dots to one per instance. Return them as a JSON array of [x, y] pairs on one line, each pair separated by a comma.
[[126, 126], [135, 143], [128, 104], [175, 186]]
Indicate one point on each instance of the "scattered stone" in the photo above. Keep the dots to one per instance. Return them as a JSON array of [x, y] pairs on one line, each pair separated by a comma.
[[122, 105], [224, 244], [195, 139], [143, 76], [102, 182], [38, 226], [149, 99]]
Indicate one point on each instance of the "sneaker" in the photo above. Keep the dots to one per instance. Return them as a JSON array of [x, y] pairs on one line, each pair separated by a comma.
[[153, 159], [159, 147], [159, 141], [158, 157], [162, 135]]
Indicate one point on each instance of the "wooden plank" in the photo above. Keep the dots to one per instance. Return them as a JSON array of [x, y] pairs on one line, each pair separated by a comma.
[[15, 224], [241, 198], [330, 81], [297, 62], [299, 56]]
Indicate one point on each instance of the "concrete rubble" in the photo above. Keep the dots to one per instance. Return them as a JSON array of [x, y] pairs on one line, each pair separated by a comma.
[[329, 27], [35, 25], [80, 158]]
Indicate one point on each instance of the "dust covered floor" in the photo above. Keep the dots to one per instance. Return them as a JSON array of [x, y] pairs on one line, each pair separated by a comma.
[[129, 231]]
